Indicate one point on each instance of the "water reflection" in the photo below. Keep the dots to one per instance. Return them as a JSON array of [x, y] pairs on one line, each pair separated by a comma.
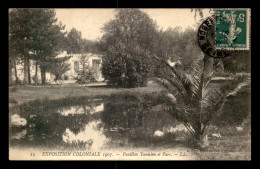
[[82, 110], [98, 108], [19, 135], [91, 136], [94, 125], [130, 124]]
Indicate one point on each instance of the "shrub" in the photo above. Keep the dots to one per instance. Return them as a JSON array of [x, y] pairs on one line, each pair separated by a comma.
[[59, 67], [133, 74], [66, 77], [86, 77], [85, 73]]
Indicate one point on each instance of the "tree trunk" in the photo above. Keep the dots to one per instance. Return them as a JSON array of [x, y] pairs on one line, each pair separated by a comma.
[[43, 75], [200, 140], [15, 72], [58, 77], [25, 67], [29, 71], [36, 72], [11, 82]]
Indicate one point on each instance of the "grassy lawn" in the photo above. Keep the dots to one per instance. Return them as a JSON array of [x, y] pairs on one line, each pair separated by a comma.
[[227, 148], [29, 92]]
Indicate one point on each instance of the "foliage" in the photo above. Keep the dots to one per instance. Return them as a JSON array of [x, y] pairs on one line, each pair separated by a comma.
[[76, 44], [85, 72], [34, 34], [85, 78], [237, 107], [238, 61], [189, 97], [177, 45], [19, 40], [124, 45], [66, 77], [46, 37], [59, 66], [74, 41], [200, 12], [19, 31]]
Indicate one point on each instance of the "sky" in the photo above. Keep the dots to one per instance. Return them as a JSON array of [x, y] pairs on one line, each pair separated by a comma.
[[90, 21]]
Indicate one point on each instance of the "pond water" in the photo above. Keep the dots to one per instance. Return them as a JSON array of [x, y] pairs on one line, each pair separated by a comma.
[[97, 124]]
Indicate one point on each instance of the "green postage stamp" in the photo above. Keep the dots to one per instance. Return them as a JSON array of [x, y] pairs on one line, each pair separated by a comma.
[[232, 29]]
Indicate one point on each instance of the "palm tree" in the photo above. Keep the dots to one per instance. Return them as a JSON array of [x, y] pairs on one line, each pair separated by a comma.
[[59, 67], [190, 97]]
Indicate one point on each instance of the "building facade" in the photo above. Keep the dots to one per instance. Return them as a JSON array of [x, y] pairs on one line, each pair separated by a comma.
[[93, 60]]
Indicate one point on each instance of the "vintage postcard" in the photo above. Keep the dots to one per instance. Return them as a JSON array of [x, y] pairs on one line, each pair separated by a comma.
[[129, 84]]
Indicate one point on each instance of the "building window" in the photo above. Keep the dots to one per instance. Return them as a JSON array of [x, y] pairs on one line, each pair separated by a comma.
[[96, 63], [76, 66]]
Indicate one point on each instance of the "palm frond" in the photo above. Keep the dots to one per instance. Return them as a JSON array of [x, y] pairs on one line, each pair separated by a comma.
[[175, 85], [190, 98], [211, 100], [238, 88]]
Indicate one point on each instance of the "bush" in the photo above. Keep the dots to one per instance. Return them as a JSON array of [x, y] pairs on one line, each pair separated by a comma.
[[121, 71], [85, 73], [85, 78], [66, 77]]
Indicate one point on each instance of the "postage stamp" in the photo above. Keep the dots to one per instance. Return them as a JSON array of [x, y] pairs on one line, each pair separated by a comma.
[[232, 29]]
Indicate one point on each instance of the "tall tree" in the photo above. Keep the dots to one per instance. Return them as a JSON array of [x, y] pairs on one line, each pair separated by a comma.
[[19, 32], [46, 37], [35, 30], [75, 43], [11, 65], [178, 45], [124, 45]]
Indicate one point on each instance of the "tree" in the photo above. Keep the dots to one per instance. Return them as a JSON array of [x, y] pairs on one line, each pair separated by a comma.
[[74, 41], [124, 46], [85, 72], [92, 46], [45, 39], [200, 11], [189, 96], [35, 35], [76, 44], [59, 67], [176, 45], [12, 65], [19, 32]]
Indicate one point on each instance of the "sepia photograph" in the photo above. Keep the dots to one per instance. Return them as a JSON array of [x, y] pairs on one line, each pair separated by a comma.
[[135, 84]]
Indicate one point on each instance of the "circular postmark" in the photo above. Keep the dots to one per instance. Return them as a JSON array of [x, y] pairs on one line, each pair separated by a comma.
[[206, 39]]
